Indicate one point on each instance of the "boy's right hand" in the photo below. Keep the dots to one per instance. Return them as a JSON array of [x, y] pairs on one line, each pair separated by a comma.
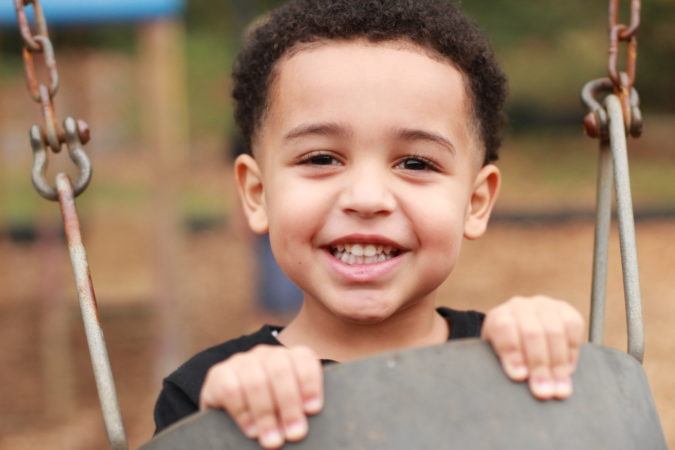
[[268, 391]]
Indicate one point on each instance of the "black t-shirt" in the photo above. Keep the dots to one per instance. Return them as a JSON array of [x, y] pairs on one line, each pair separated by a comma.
[[180, 392]]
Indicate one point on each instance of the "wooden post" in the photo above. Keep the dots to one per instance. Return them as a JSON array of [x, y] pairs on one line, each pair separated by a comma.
[[49, 293], [163, 103], [55, 321]]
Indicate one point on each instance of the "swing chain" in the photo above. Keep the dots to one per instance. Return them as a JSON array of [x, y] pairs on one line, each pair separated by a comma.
[[613, 106], [74, 134], [53, 135], [620, 82]]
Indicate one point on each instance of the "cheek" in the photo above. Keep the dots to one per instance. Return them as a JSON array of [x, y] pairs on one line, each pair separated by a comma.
[[443, 242], [439, 227], [295, 215]]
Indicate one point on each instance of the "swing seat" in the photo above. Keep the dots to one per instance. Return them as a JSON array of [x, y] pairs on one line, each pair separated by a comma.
[[456, 396]]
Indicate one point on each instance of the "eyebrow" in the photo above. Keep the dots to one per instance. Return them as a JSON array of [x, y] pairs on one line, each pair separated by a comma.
[[337, 129], [413, 134], [318, 129]]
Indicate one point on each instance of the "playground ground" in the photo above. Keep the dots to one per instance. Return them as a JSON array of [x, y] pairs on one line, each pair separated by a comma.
[[512, 259]]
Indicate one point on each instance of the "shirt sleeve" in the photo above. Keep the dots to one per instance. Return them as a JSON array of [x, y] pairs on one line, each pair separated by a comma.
[[172, 405]]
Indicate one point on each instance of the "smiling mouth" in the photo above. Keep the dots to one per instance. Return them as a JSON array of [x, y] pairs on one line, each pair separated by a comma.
[[358, 254]]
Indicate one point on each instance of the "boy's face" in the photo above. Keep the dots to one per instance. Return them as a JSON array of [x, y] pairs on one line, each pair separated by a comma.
[[367, 175]]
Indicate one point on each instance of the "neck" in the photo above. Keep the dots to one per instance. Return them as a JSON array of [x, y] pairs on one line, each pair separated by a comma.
[[339, 339]]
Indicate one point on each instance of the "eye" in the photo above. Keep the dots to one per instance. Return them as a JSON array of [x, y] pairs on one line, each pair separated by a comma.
[[416, 163], [319, 159]]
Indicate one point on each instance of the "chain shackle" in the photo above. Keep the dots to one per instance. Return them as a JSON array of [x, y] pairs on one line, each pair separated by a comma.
[[73, 133], [75, 151], [619, 82], [596, 122]]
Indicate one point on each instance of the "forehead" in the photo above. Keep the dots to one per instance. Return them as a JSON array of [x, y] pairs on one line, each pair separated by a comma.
[[369, 87]]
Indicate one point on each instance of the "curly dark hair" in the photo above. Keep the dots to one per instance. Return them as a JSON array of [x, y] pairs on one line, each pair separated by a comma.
[[435, 24]]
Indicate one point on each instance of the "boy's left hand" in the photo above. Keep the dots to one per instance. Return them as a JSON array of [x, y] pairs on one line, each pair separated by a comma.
[[537, 338]]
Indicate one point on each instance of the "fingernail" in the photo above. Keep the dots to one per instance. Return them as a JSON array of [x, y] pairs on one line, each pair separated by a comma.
[[563, 388], [296, 430], [517, 371], [543, 388], [313, 405], [271, 438], [251, 431]]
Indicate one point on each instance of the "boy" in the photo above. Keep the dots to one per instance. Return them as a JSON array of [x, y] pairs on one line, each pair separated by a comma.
[[373, 126]]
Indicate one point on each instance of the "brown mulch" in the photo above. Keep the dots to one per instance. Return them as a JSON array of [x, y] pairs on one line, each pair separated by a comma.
[[48, 396]]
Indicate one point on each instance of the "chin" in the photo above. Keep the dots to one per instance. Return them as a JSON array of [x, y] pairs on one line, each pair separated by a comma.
[[366, 311]]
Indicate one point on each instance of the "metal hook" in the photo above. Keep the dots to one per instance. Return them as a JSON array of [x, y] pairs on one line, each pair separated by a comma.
[[41, 160], [596, 121]]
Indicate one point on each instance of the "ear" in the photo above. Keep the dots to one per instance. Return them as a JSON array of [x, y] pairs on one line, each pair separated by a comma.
[[251, 192], [483, 197]]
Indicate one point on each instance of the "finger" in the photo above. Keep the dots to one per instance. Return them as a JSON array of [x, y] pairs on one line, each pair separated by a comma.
[[556, 336], [574, 329], [536, 353], [501, 330], [286, 392], [222, 390], [309, 374], [260, 402]]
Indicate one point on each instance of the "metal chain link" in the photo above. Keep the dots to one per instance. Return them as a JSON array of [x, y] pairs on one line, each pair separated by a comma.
[[619, 82], [613, 106], [38, 47], [74, 134]]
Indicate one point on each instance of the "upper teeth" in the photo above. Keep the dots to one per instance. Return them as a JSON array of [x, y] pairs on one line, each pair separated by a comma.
[[364, 249]]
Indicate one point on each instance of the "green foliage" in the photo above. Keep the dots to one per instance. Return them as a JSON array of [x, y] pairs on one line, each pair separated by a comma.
[[548, 48]]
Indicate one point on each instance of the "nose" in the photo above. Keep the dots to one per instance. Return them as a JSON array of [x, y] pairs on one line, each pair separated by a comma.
[[367, 193]]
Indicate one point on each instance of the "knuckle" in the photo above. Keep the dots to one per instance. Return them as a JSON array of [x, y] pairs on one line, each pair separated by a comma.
[[576, 318], [556, 332], [263, 411], [508, 346], [563, 305], [234, 360], [531, 333], [536, 359], [289, 402], [228, 388], [503, 323], [308, 383], [575, 329], [304, 353], [561, 371], [255, 381], [277, 366], [244, 420], [265, 425], [259, 351], [291, 412], [212, 384]]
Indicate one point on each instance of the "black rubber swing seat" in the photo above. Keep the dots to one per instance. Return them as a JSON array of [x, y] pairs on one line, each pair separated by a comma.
[[455, 396]]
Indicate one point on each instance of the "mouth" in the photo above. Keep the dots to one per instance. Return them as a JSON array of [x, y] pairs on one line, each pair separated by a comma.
[[353, 254]]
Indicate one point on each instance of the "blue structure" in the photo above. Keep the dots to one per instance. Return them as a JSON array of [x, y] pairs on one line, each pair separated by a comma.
[[88, 12]]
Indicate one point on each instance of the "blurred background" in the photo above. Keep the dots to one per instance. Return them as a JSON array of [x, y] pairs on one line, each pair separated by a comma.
[[176, 271]]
